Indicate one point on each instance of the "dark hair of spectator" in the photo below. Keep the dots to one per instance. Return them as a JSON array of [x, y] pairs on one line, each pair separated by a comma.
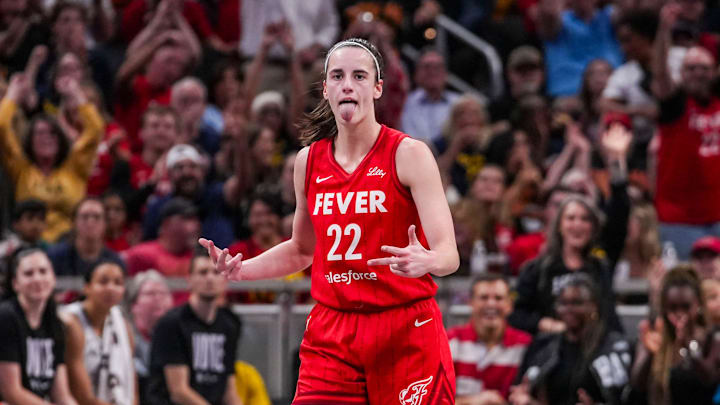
[[161, 110], [64, 5], [198, 252], [88, 276], [488, 278], [596, 330], [320, 122], [270, 199], [50, 317], [586, 97], [560, 188], [63, 143], [680, 276], [79, 205], [14, 262], [641, 22], [425, 51], [555, 240], [217, 74], [253, 131], [29, 207]]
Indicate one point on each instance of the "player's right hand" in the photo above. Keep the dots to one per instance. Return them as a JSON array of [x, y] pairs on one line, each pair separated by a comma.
[[224, 264]]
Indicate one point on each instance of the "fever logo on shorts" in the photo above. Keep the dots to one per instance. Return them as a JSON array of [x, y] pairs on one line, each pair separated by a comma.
[[415, 392]]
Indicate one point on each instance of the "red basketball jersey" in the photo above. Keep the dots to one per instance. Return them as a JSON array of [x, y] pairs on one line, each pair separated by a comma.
[[353, 215]]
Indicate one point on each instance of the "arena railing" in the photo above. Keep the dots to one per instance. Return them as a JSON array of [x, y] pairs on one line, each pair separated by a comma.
[[447, 27], [272, 332]]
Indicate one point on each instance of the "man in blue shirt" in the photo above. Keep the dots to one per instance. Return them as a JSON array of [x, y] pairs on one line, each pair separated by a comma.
[[428, 106], [573, 38]]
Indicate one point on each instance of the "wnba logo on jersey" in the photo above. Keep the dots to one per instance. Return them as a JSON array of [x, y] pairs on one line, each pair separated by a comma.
[[415, 392]]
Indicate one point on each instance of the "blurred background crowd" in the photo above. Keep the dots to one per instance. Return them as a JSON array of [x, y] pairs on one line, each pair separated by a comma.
[[578, 142]]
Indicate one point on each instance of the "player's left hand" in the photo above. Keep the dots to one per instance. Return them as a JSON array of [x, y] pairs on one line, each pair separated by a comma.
[[412, 261]]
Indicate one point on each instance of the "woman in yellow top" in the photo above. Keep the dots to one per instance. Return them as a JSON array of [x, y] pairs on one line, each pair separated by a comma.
[[46, 166]]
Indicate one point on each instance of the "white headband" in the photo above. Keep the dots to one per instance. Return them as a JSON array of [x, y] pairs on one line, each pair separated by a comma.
[[352, 43]]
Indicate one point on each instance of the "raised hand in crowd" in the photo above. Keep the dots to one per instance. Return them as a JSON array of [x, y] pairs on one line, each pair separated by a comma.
[[520, 394], [12, 37], [18, 88], [71, 92], [651, 336], [37, 58], [551, 325], [584, 398], [616, 142]]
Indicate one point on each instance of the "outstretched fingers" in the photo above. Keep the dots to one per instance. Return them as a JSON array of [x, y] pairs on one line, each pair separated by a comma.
[[213, 251], [412, 236]]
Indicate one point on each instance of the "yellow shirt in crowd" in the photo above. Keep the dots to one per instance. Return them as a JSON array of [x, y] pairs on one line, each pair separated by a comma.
[[65, 186], [250, 385]]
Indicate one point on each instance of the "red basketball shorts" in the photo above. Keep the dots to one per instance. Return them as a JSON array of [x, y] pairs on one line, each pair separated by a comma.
[[397, 356]]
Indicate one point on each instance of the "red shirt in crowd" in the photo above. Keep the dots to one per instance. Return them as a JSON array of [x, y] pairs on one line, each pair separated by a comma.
[[152, 255], [688, 162], [523, 249], [247, 247], [479, 368], [129, 109]]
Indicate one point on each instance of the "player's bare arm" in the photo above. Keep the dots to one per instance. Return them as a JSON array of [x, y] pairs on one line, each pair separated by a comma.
[[417, 169], [286, 258]]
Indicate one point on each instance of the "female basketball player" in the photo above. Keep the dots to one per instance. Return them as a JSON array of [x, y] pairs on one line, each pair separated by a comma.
[[363, 189]]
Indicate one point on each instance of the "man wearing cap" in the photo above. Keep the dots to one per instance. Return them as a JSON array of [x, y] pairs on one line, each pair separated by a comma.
[[705, 257], [427, 107], [187, 169], [525, 76], [170, 254], [268, 110]]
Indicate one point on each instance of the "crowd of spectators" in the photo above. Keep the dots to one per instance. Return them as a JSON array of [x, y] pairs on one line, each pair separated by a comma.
[[130, 128]]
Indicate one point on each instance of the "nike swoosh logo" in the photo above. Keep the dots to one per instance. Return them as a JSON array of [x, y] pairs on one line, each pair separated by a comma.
[[320, 180], [419, 324]]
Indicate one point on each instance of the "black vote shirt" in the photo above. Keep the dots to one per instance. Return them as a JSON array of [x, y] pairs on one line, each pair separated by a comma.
[[38, 351], [181, 338]]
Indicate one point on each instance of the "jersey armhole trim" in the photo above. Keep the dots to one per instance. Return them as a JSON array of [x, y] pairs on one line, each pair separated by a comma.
[[308, 168], [396, 180]]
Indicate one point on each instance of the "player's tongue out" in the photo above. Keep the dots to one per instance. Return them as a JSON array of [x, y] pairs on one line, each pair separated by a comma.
[[347, 109]]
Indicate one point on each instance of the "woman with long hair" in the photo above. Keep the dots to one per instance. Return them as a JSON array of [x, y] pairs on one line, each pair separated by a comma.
[[588, 363], [594, 80], [47, 166], [373, 220], [677, 358], [32, 343], [571, 247], [99, 340], [642, 245]]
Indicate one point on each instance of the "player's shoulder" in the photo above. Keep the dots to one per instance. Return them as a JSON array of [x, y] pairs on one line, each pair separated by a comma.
[[301, 161], [302, 155], [411, 148]]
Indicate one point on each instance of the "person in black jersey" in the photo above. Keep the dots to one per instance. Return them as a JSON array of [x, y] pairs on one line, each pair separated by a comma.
[[32, 343], [193, 348], [587, 363]]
